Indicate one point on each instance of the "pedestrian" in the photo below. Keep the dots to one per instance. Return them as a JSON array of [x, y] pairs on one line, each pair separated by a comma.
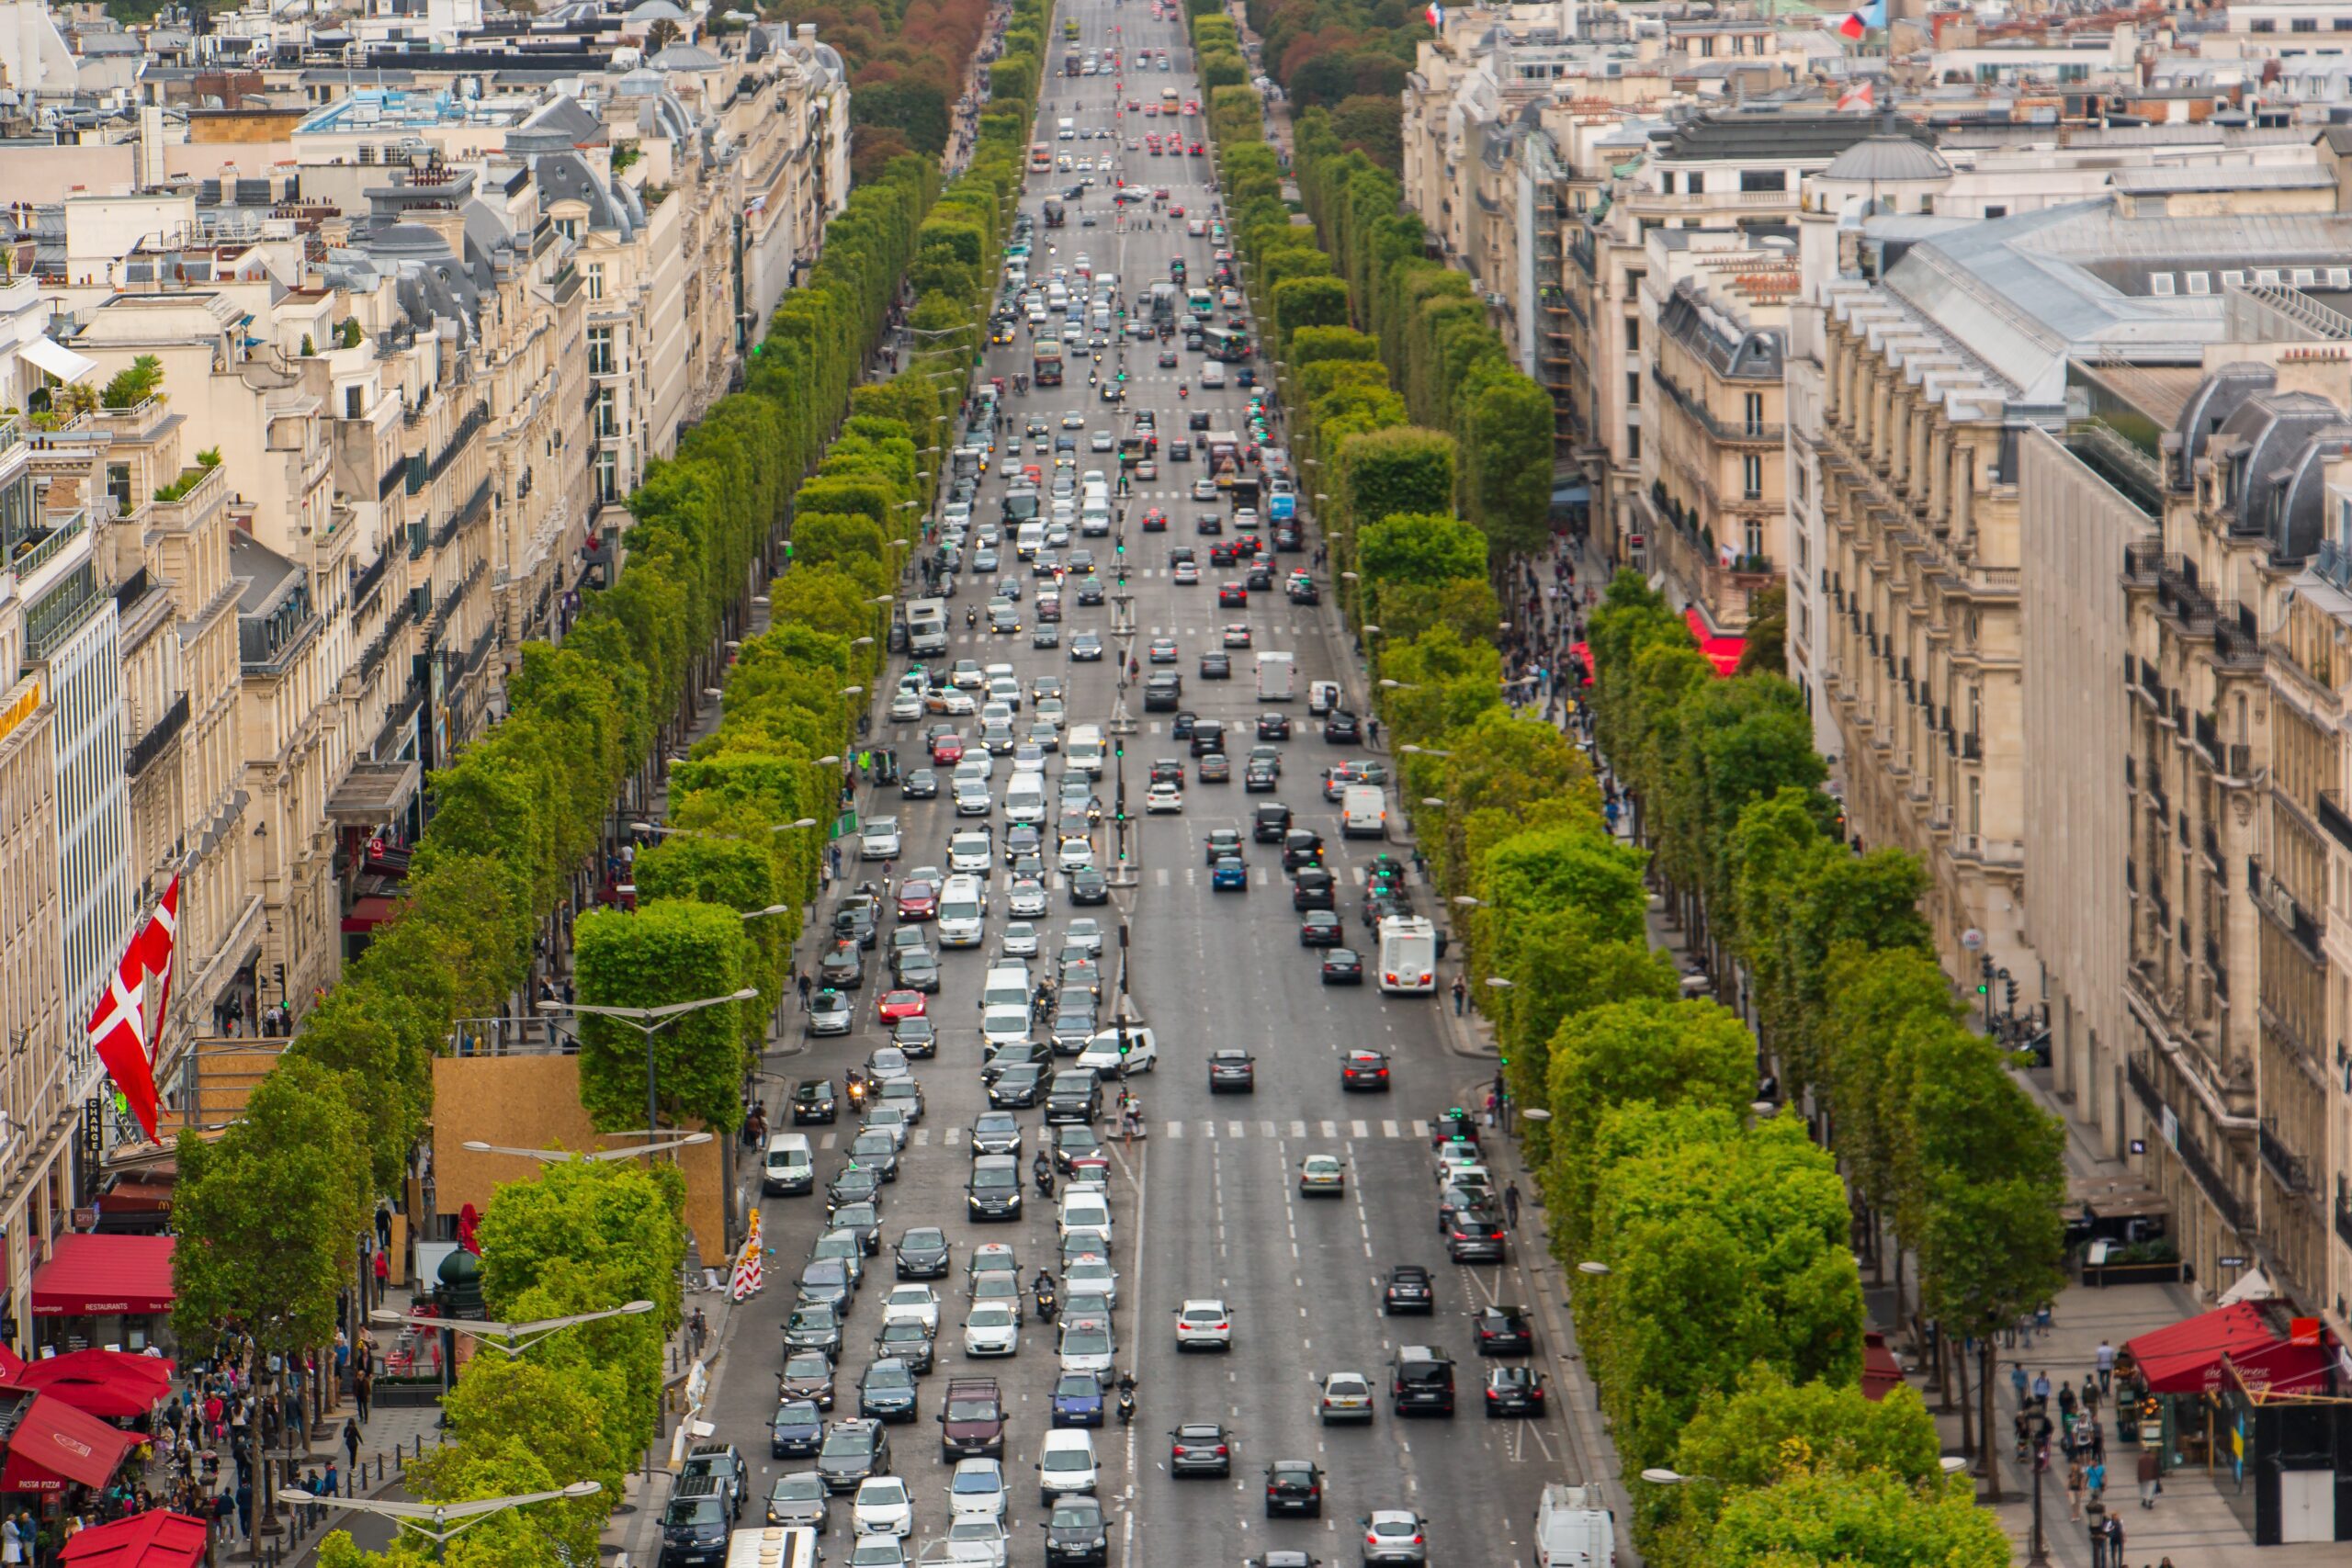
[[2115, 1541], [1461, 995], [12, 1545], [2041, 1388], [2098, 1529], [382, 1265], [363, 1386], [351, 1443], [2075, 1482], [2089, 1398], [1510, 1205], [1372, 732], [2150, 1476], [2106, 1361], [1490, 1108], [804, 983], [2018, 1381], [2095, 1480]]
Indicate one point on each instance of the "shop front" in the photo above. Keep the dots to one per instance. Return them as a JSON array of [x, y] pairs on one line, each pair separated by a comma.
[[104, 1291]]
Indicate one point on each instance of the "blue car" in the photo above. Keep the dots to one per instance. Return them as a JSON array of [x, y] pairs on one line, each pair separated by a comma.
[[1229, 874], [1077, 1401], [797, 1432]]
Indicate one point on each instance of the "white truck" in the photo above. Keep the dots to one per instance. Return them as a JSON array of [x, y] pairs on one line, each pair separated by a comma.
[[1574, 1528], [926, 628], [1277, 671]]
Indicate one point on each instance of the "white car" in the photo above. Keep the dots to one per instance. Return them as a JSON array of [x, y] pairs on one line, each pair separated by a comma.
[[1102, 1051], [1202, 1323], [1085, 931], [950, 703], [1451, 1157], [1004, 1026], [1084, 1213], [1087, 1346], [992, 1328], [1027, 898], [1164, 796], [883, 1507], [912, 1303], [973, 1540], [879, 1551], [880, 839], [906, 708], [1090, 1275], [1074, 854], [968, 854], [1005, 689], [1065, 1464], [967, 675], [977, 1487], [972, 799], [1346, 1396], [1020, 936]]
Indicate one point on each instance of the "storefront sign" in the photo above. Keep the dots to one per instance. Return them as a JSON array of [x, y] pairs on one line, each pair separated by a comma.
[[2302, 1331], [21, 707]]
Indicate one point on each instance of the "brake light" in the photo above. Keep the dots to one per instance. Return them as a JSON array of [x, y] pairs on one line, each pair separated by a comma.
[[1220, 1451]]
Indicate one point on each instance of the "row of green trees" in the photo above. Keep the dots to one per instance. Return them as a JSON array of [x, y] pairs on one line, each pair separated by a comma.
[[270, 1215], [1723, 1315], [1938, 1139]]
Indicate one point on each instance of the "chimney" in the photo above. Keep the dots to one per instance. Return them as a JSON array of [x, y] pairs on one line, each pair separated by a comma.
[[805, 32]]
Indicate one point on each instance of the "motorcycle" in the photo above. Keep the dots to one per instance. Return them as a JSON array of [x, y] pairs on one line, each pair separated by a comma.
[[1126, 1403], [1045, 1179], [1049, 1306]]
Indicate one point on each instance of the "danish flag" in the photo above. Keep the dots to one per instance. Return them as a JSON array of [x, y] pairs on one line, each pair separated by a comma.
[[119, 1027]]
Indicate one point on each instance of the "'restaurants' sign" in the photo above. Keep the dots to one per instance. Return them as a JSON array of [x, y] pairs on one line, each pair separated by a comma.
[[22, 704]]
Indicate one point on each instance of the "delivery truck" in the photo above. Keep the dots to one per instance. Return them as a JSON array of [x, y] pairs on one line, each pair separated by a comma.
[[1276, 672], [926, 628]]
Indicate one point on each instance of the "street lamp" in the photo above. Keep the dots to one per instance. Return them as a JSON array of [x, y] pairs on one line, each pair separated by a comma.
[[849, 691], [1497, 983], [1388, 685], [510, 1339], [1424, 751], [1370, 630], [771, 910], [1431, 800], [1659, 1476], [1598, 1270], [562, 1156], [431, 1519], [1467, 902], [650, 1021]]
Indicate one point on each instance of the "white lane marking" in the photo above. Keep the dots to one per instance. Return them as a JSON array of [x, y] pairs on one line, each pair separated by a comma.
[[1357, 1130], [1208, 1129], [1266, 1128], [1159, 876], [1298, 1129], [922, 1136], [1388, 1130], [1237, 1130], [827, 1141], [1175, 1129], [953, 1137], [1420, 1128], [1331, 1129]]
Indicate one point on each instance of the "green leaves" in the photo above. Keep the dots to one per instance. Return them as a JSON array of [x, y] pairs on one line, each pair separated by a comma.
[[672, 950]]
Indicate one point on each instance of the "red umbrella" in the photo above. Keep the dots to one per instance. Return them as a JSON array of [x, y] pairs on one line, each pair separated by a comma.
[[110, 1383]]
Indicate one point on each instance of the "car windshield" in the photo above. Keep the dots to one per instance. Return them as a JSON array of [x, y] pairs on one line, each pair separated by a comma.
[[1079, 1385], [970, 1410], [798, 1489], [798, 1413], [1075, 1515], [693, 1511], [1068, 1459], [975, 1482], [1085, 1342], [850, 1444], [992, 1315], [879, 1376]]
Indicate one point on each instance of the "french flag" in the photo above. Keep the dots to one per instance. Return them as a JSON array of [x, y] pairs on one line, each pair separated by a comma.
[[1436, 14], [1859, 22]]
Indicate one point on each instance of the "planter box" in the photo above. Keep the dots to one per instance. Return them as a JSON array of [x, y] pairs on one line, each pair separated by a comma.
[[2101, 1275]]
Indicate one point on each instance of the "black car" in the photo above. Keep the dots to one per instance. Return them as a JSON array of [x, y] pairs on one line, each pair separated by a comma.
[[1302, 589], [863, 1221], [1273, 726], [1076, 1096], [1012, 1055], [1216, 667], [1312, 887], [922, 1253], [1200, 1448], [996, 1132], [799, 1500], [1208, 735], [1514, 1390], [1090, 590], [852, 1184], [1164, 770], [919, 784], [1344, 966], [1232, 1070], [721, 1461], [842, 968], [905, 1340], [1363, 1070], [853, 1451], [814, 1325], [1269, 823], [1076, 1534], [1089, 885], [808, 1375], [1302, 847], [916, 1036], [1162, 691], [1343, 728], [1259, 777], [1407, 1290], [993, 1190], [1504, 1331], [1420, 1380], [1320, 928], [1017, 1088], [827, 1280], [797, 1431], [695, 1522], [813, 1100], [886, 1392], [1295, 1486]]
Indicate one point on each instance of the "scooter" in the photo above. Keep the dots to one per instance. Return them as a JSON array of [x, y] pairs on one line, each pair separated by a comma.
[[1127, 1406], [1049, 1306]]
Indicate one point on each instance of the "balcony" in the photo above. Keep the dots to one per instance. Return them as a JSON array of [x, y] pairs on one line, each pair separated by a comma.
[[2137, 1073], [364, 583], [2142, 563], [1747, 431], [2333, 817], [2287, 1168], [2178, 596], [2236, 646], [160, 734]]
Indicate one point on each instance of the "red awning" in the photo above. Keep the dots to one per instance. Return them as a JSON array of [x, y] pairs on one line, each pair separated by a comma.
[[366, 914], [2283, 1368], [1722, 652], [105, 1276], [56, 1443], [107, 1384], [156, 1538], [2186, 1356]]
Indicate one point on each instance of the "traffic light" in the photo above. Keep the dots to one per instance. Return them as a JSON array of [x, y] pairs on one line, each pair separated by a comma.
[[2009, 984], [1984, 976]]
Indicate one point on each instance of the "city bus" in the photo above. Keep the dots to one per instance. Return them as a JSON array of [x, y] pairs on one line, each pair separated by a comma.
[[1169, 102], [1041, 158], [1226, 343], [1407, 956]]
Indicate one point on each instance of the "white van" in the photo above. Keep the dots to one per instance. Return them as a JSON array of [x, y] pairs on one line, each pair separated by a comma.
[[1066, 129], [1029, 541], [1102, 1051], [1086, 1213], [1082, 752], [1094, 518], [1024, 799], [1364, 812], [1007, 985], [1574, 1528], [787, 1167], [963, 912]]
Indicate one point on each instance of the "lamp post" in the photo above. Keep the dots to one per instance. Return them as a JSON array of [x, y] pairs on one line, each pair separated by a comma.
[[432, 1520], [562, 1156], [510, 1339], [1424, 751], [650, 1021]]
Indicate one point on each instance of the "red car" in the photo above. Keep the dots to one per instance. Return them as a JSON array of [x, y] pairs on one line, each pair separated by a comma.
[[1192, 105], [897, 1005], [1232, 595], [947, 749], [1155, 521], [1175, 209], [1196, 148], [918, 901]]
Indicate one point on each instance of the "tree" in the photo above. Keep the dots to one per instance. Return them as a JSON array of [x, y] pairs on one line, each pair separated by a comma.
[[520, 1426], [1311, 345], [1308, 302], [1390, 471], [1767, 632], [672, 950], [1870, 1519], [1991, 1252], [587, 1217], [1418, 547], [1504, 421]]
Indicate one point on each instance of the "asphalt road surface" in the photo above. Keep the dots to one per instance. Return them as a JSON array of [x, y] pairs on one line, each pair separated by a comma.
[[1206, 1204]]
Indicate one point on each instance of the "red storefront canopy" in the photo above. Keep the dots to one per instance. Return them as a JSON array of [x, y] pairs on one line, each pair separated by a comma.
[[155, 1539], [55, 1443], [105, 1276], [107, 1384], [2186, 1356], [1722, 652]]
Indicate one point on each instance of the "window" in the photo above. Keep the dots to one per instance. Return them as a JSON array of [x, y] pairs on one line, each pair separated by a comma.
[[1751, 478], [2304, 25], [608, 419], [1763, 179], [118, 487], [2265, 24], [1633, 334], [1752, 539], [600, 351], [568, 228], [1804, 485], [355, 402], [608, 476], [1633, 386], [1633, 443], [596, 280], [1993, 212], [1752, 408]]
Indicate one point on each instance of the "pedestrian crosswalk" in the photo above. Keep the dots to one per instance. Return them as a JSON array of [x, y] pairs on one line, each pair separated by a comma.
[[1208, 1128]]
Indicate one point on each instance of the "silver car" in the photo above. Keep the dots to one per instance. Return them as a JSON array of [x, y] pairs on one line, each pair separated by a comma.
[[1394, 1535], [799, 1499]]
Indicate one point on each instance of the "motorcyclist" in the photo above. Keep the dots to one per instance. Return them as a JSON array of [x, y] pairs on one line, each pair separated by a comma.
[[971, 617], [1042, 1168]]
